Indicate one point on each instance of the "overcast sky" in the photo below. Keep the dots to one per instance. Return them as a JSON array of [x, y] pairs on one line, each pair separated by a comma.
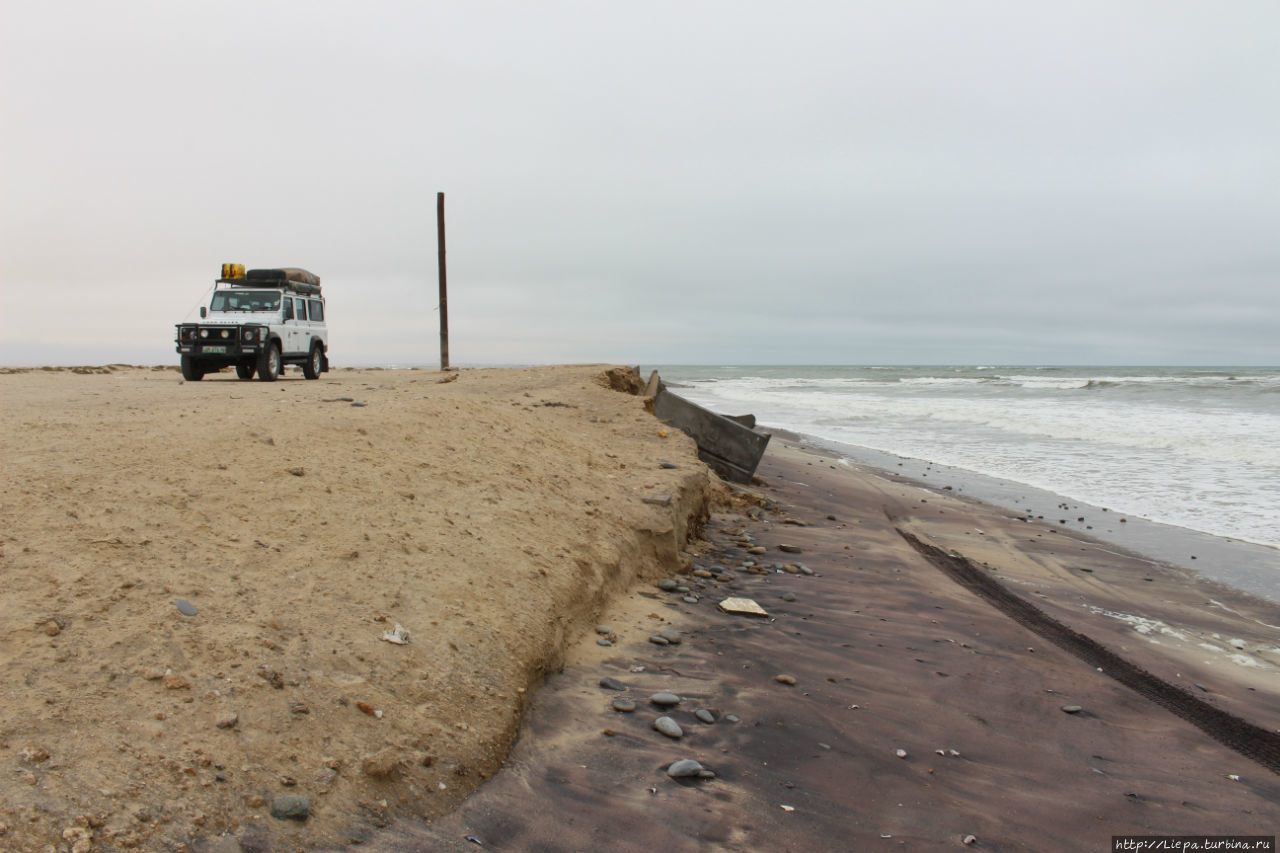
[[888, 182]]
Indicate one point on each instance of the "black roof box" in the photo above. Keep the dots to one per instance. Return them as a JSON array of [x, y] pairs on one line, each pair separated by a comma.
[[293, 277]]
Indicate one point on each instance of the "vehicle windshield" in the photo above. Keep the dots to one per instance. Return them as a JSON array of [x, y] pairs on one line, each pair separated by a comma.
[[245, 300]]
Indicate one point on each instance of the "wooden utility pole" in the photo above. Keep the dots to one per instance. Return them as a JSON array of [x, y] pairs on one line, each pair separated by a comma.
[[444, 298]]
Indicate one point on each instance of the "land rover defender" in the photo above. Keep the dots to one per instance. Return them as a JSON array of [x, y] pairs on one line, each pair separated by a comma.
[[258, 322]]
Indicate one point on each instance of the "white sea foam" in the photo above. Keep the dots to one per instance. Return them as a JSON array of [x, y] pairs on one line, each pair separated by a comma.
[[1190, 447]]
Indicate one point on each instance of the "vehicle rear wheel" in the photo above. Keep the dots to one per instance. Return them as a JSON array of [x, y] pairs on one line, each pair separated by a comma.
[[269, 363], [191, 370], [311, 369], [246, 371]]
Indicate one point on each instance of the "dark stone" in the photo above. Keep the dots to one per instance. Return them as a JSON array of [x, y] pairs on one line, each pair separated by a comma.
[[186, 608], [611, 684], [291, 807]]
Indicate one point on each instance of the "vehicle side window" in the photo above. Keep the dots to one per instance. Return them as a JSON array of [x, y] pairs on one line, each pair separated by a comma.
[[302, 308], [288, 308], [317, 310]]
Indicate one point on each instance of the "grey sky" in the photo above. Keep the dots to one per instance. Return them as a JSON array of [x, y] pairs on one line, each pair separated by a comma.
[[838, 182]]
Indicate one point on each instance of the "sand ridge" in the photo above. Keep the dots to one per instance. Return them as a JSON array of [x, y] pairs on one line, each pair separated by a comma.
[[492, 517]]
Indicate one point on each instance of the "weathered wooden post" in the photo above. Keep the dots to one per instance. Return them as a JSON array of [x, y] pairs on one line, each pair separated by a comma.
[[444, 298]]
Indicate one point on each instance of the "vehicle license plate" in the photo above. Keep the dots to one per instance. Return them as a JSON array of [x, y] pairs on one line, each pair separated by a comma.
[[218, 348]]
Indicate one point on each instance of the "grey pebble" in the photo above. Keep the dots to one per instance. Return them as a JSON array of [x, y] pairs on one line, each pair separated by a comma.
[[683, 768], [788, 596], [804, 570], [604, 641], [186, 608], [668, 727], [358, 404], [690, 599], [659, 640], [623, 704], [791, 549], [732, 718], [612, 684], [291, 807], [704, 773], [1072, 709], [666, 464], [705, 716], [672, 637], [667, 585], [665, 699], [604, 629]]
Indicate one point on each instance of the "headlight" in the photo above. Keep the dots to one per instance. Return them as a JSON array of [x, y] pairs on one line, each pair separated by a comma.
[[204, 333], [249, 334], [225, 333]]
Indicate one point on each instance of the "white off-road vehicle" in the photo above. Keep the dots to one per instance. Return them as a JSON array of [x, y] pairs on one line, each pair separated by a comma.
[[257, 322]]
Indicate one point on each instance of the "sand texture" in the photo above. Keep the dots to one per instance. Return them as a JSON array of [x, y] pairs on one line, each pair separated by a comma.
[[930, 670], [491, 517]]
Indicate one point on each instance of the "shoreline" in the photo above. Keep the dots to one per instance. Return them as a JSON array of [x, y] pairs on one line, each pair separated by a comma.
[[499, 518], [884, 652], [1242, 565]]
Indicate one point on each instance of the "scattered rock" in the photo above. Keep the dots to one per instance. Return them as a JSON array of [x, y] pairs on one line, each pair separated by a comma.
[[744, 606], [228, 721], [666, 465], [52, 628], [291, 807], [380, 764], [901, 753], [788, 596], [785, 679], [186, 608], [612, 684], [732, 718], [791, 549], [665, 700], [1072, 709], [971, 839], [176, 682], [671, 636], [623, 704], [604, 641], [658, 500], [705, 716], [34, 755], [684, 768], [604, 630], [668, 727], [297, 471], [667, 585], [658, 640]]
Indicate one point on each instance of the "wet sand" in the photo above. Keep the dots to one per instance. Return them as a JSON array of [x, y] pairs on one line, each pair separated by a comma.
[[897, 644]]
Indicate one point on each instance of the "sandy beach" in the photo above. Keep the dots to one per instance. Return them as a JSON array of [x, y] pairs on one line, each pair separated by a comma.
[[491, 517], [930, 670]]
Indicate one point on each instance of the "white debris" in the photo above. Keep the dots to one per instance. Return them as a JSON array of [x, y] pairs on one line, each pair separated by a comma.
[[745, 606], [398, 635]]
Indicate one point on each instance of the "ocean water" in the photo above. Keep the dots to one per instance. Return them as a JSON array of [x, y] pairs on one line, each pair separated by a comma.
[[1195, 448]]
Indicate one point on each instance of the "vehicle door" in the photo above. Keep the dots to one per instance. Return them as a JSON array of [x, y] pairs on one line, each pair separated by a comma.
[[289, 340]]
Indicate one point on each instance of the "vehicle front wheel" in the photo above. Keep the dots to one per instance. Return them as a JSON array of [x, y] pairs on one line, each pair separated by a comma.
[[191, 370], [246, 371], [315, 362], [269, 363]]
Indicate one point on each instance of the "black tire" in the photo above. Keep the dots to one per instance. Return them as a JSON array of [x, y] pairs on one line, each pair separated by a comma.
[[315, 363], [246, 371], [191, 370], [269, 364]]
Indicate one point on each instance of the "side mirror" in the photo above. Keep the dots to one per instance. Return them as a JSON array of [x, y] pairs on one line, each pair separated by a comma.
[[204, 312]]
